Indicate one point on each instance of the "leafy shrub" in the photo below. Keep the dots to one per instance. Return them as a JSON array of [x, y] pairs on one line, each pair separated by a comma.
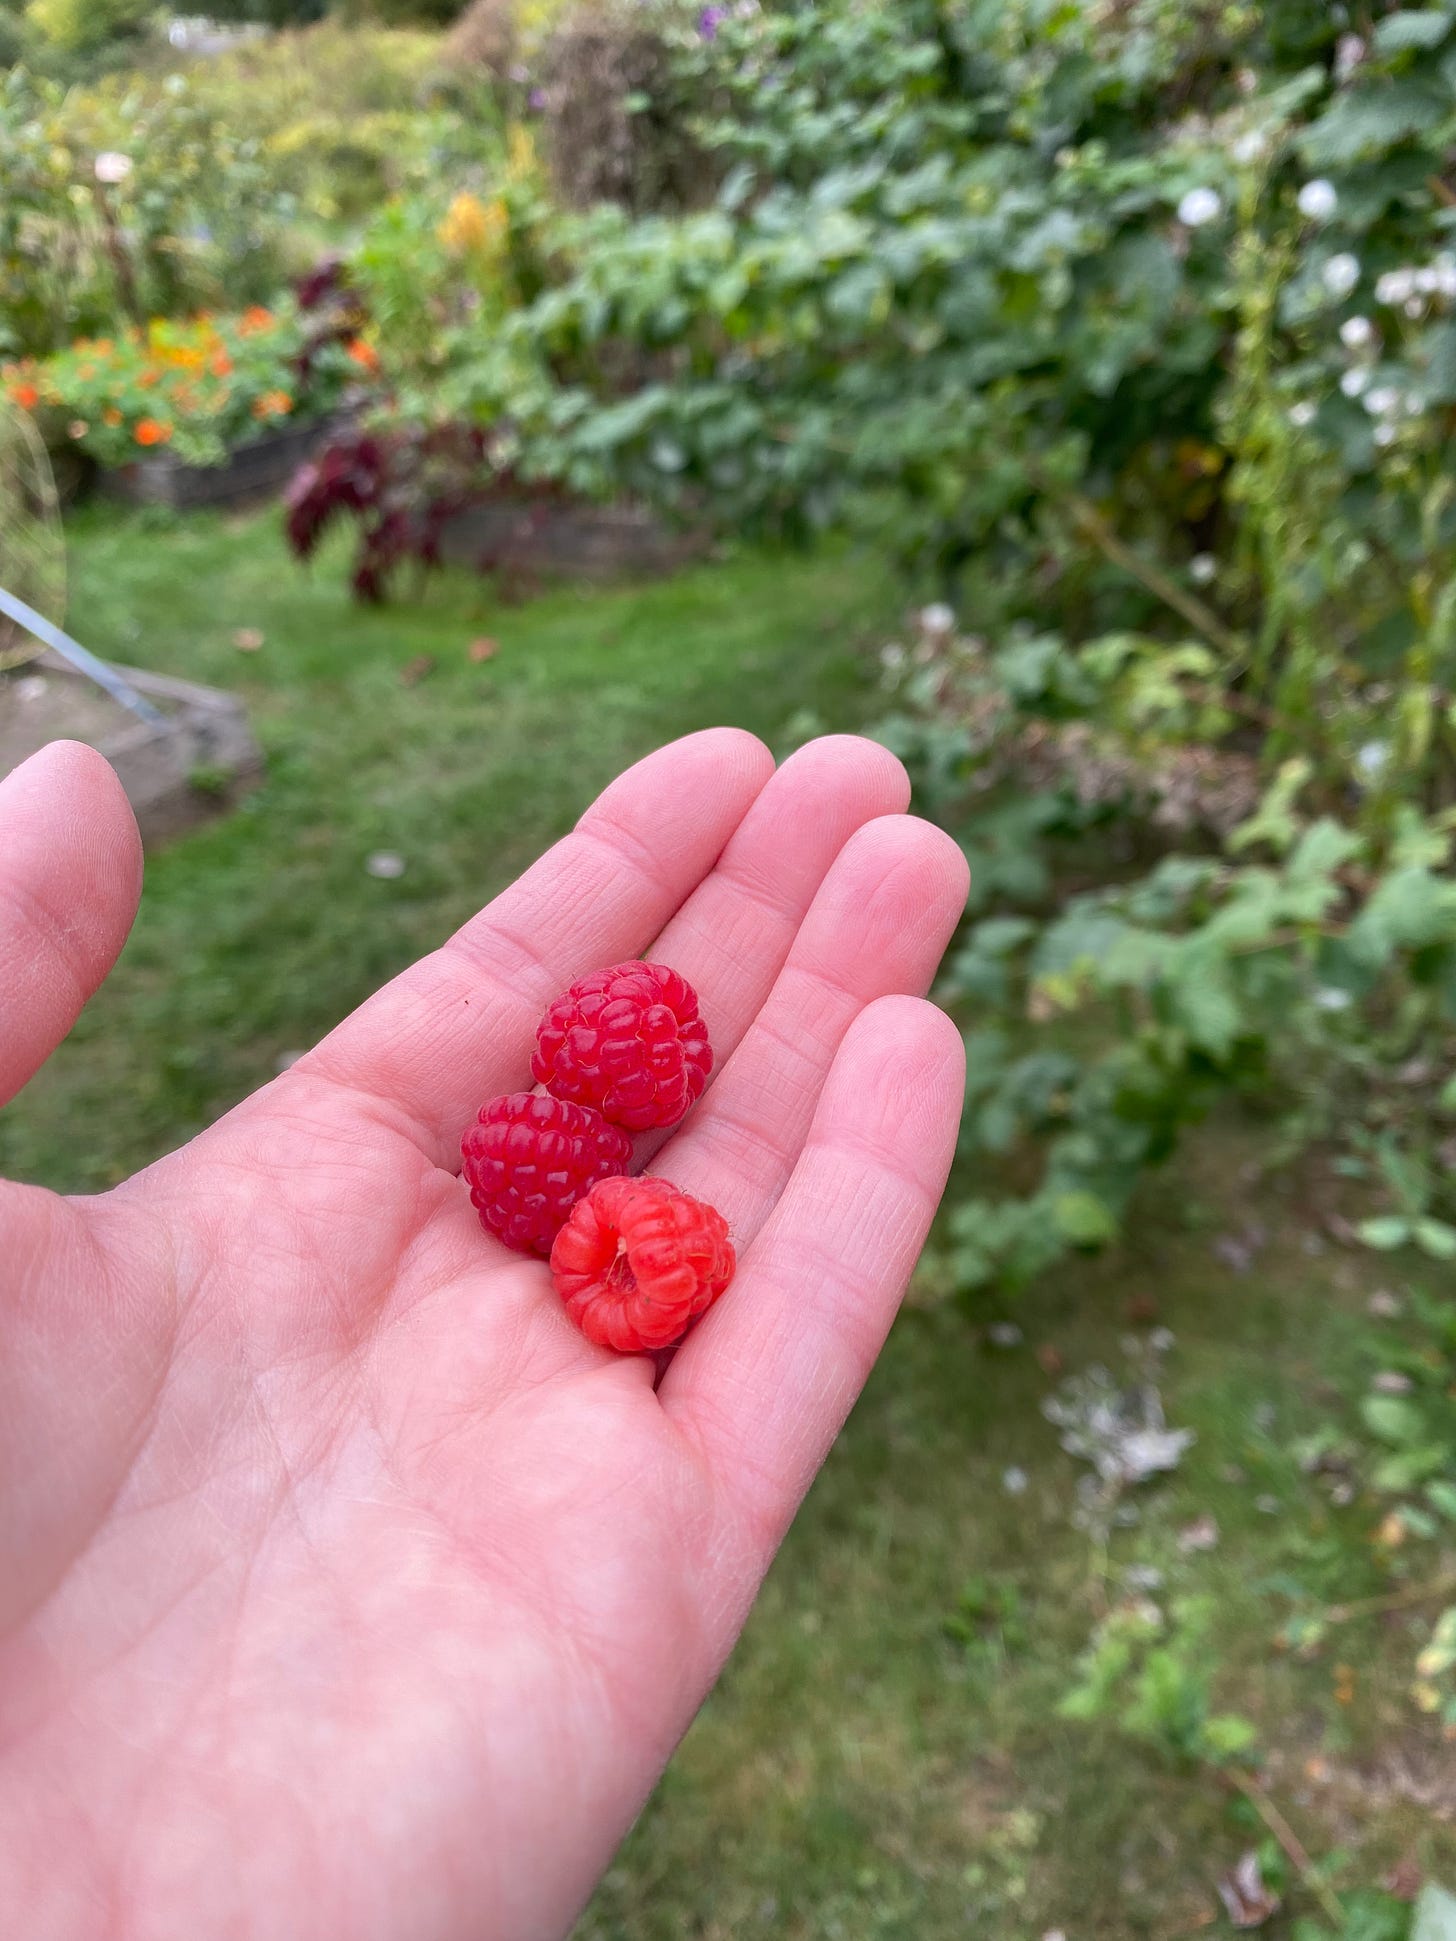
[[1134, 332], [151, 209], [83, 26]]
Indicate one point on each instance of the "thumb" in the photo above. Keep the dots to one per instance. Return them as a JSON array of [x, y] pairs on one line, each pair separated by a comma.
[[70, 880]]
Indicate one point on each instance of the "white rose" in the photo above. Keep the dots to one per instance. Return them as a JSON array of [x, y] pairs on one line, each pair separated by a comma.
[[1200, 206], [1340, 274], [1318, 200], [1395, 286]]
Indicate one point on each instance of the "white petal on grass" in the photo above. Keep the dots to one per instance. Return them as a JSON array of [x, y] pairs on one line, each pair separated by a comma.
[[1357, 333], [1202, 569], [1382, 400], [1384, 434], [1395, 286], [112, 167], [1303, 413], [1355, 381]]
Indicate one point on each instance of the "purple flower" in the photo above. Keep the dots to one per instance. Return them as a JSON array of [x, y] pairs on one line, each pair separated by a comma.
[[536, 100], [710, 20]]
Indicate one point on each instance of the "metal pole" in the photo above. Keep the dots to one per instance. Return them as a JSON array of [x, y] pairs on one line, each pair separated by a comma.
[[84, 662]]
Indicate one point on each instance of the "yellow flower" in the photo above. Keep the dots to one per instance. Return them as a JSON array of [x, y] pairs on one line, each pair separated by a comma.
[[473, 227], [522, 164]]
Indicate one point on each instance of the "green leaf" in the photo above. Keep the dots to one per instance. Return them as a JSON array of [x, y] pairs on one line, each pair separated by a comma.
[[1227, 1735], [1440, 1654], [1435, 1917], [1362, 125], [1435, 1238], [1084, 1220], [1439, 346], [1386, 1233], [1394, 1475], [1393, 1419], [1441, 1495], [1400, 32]]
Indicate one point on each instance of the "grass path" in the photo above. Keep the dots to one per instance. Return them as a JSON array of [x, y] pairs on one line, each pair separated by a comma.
[[258, 932]]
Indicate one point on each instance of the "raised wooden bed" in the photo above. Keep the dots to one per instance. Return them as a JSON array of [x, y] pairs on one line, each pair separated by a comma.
[[257, 470], [175, 773], [551, 541]]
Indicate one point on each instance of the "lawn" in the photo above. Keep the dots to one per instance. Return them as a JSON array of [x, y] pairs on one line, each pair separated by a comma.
[[383, 737], [884, 1755]]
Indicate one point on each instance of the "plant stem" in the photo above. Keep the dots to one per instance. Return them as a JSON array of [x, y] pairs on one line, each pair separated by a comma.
[[1183, 603], [1395, 1601], [1289, 1842]]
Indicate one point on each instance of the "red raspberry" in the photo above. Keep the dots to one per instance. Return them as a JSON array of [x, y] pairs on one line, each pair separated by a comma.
[[528, 1160], [628, 1041], [638, 1261]]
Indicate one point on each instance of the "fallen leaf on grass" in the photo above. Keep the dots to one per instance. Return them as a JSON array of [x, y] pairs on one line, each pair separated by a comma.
[[417, 670], [1247, 1901], [484, 649], [248, 640]]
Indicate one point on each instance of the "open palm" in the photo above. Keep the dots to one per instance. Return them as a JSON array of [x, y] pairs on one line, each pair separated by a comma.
[[345, 1590]]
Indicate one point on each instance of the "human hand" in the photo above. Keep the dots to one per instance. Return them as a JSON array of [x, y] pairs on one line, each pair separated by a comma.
[[345, 1590]]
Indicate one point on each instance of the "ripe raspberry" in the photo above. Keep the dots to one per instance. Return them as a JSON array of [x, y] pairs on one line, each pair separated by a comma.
[[638, 1261], [629, 1041], [528, 1160]]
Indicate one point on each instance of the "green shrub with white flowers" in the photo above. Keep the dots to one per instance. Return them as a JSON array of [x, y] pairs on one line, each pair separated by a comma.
[[1132, 330]]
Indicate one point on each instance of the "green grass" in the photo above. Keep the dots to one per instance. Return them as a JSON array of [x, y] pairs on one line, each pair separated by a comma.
[[864, 1770], [883, 1756], [261, 930]]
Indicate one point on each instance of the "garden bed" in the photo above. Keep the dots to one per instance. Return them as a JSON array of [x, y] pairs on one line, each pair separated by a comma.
[[255, 470], [554, 541], [175, 773]]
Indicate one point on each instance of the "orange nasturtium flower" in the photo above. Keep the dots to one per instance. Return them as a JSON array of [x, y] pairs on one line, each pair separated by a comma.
[[111, 416], [254, 320], [222, 364], [153, 431], [25, 395], [273, 404], [364, 355]]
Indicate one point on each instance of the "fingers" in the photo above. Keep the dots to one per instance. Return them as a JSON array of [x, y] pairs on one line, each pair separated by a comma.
[[460, 1025], [764, 1383], [731, 939], [70, 881], [879, 926]]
